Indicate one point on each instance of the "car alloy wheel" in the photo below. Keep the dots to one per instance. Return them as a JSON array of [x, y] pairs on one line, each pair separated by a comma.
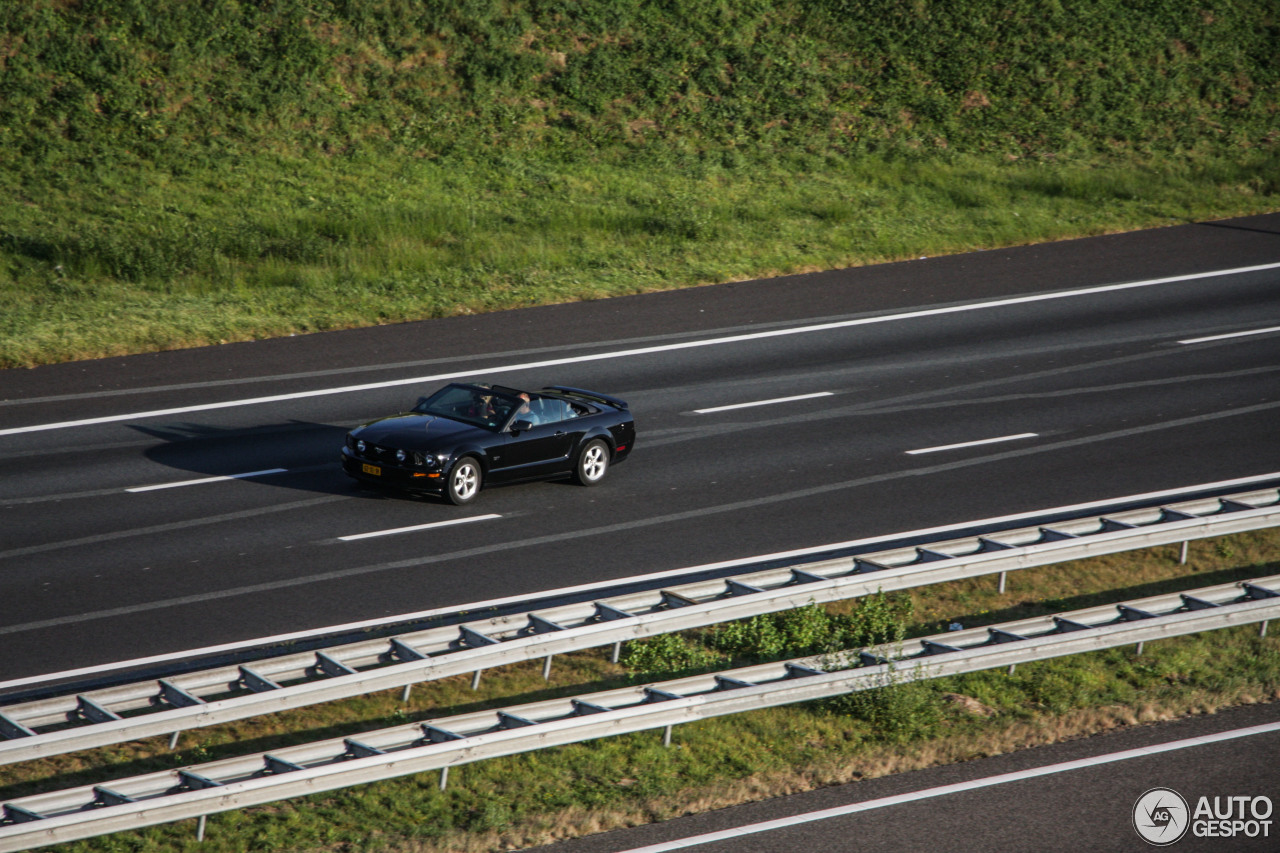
[[593, 464], [464, 481]]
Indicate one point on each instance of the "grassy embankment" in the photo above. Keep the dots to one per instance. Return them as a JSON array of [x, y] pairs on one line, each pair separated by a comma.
[[177, 174], [632, 779]]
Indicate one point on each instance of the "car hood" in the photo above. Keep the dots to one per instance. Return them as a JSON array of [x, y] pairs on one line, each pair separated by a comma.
[[417, 432]]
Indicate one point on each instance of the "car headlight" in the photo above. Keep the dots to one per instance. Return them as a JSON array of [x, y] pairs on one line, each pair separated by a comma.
[[361, 446], [401, 456]]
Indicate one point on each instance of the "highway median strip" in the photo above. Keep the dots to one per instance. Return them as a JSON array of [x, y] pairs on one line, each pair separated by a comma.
[[440, 743], [503, 803]]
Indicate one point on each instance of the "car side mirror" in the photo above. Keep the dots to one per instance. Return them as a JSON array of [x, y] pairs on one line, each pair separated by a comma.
[[521, 426]]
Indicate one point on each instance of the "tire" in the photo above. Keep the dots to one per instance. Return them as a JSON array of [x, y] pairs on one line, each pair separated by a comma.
[[465, 479], [593, 463]]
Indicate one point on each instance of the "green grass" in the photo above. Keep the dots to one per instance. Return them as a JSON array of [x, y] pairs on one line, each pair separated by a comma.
[[523, 800], [132, 266], [179, 174]]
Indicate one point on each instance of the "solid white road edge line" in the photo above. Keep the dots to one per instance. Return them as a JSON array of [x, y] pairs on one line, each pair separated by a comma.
[[960, 787], [604, 356], [972, 443], [201, 482], [498, 602], [358, 536], [1232, 335], [763, 403]]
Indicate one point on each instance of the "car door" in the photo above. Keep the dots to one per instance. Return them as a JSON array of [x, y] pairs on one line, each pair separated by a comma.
[[543, 449]]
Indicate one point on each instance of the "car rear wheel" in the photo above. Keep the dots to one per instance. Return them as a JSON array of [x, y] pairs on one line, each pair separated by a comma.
[[464, 481], [593, 463]]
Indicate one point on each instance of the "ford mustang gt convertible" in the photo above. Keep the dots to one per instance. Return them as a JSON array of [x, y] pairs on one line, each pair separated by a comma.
[[467, 436]]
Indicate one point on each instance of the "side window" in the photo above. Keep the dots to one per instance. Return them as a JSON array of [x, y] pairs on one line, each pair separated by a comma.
[[554, 411]]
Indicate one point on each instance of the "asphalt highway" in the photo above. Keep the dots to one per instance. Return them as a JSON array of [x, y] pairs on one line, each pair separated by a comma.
[[1073, 796], [173, 501]]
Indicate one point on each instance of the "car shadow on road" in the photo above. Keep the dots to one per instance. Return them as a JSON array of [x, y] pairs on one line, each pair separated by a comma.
[[299, 455]]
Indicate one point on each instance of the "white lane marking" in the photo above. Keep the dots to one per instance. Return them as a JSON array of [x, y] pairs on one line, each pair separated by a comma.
[[978, 443], [763, 402], [958, 788], [1232, 335], [357, 536], [514, 599], [204, 480], [628, 353]]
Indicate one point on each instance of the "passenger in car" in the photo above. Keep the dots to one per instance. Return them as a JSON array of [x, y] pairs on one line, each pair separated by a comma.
[[527, 411]]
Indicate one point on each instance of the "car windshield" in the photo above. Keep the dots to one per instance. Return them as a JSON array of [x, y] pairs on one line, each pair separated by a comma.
[[470, 404]]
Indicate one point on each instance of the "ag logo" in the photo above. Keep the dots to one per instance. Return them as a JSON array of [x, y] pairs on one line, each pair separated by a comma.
[[1160, 816]]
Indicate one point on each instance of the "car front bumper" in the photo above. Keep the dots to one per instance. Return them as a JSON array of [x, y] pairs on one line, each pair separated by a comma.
[[378, 471]]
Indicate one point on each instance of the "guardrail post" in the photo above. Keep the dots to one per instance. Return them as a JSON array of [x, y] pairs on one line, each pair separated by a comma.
[[546, 668], [617, 651], [200, 828], [444, 778], [1262, 632], [1002, 577], [666, 736], [475, 680], [1012, 667], [173, 741], [404, 697], [1139, 649], [1184, 554]]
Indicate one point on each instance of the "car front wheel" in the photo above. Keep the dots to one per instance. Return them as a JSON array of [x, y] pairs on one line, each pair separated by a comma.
[[464, 481], [593, 463]]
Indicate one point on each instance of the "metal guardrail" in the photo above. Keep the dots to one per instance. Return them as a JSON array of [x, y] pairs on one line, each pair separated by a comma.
[[205, 789], [167, 706]]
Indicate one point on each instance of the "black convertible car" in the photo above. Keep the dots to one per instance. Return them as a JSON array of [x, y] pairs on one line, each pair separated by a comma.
[[466, 436]]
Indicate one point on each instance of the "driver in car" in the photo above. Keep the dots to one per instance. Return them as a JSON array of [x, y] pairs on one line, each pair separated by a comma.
[[489, 408]]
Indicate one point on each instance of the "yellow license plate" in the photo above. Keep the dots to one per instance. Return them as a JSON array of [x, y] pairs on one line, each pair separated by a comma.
[[372, 470]]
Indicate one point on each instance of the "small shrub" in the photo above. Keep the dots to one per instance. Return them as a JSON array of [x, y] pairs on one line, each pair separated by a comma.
[[873, 620], [897, 710], [665, 655]]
